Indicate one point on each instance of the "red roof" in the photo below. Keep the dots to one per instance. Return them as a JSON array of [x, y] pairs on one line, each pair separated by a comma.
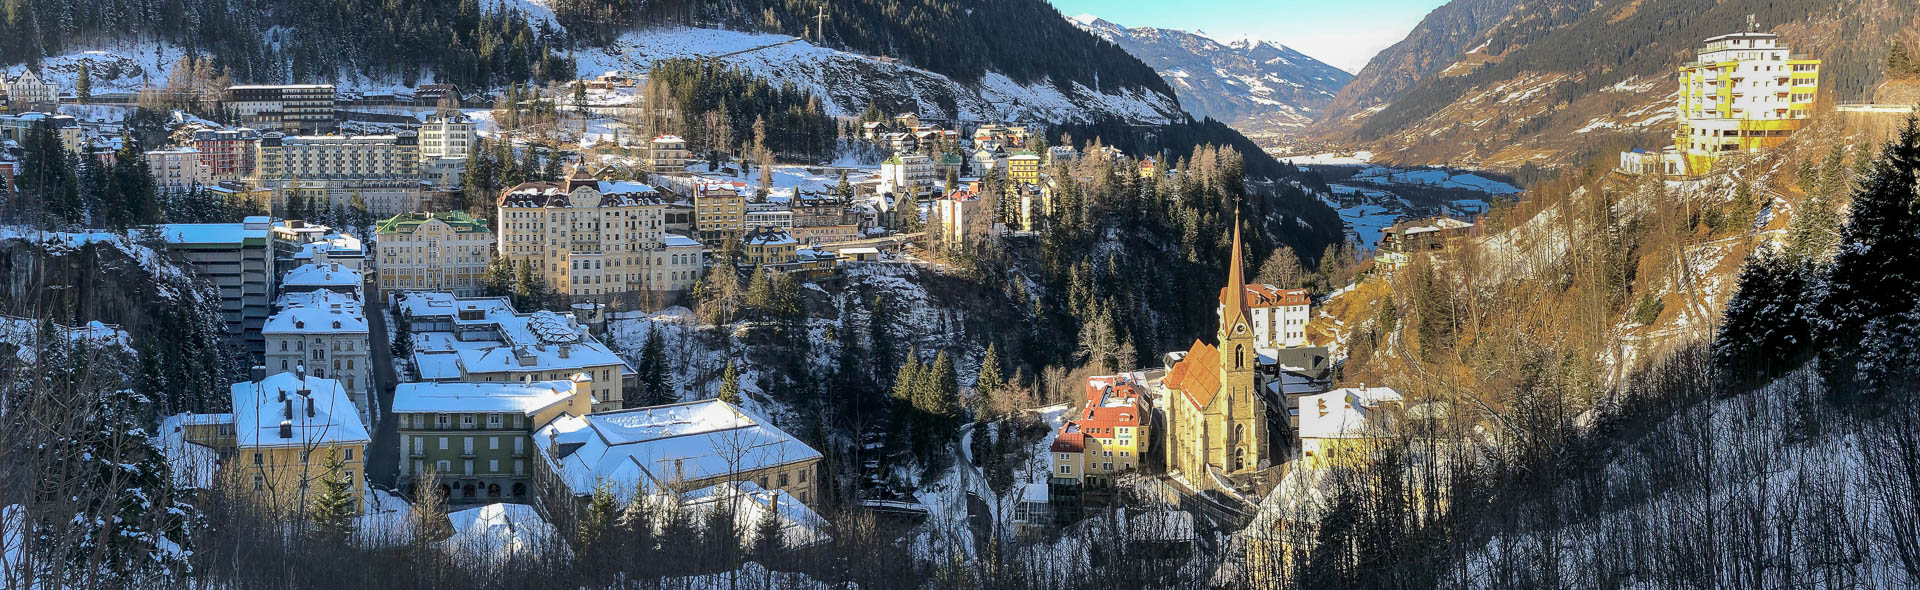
[[1260, 295], [1197, 375], [1070, 440]]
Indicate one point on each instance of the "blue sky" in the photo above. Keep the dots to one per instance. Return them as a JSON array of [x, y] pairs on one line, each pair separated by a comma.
[[1344, 33]]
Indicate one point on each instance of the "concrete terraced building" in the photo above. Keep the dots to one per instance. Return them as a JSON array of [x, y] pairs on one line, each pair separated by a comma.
[[433, 252], [238, 258]]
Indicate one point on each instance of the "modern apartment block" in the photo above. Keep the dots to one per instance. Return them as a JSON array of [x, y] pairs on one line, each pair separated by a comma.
[[178, 170], [290, 108], [238, 259], [382, 171]]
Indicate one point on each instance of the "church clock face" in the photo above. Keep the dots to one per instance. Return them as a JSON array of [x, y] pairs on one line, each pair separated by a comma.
[[1239, 329]]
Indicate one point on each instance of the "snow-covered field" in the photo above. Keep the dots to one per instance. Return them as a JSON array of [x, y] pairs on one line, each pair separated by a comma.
[[1435, 177]]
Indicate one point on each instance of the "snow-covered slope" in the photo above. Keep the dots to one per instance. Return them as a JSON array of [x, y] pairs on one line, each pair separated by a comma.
[[1256, 86], [848, 81]]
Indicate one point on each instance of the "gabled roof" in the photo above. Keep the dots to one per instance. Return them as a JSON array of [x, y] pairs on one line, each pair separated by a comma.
[[1197, 375]]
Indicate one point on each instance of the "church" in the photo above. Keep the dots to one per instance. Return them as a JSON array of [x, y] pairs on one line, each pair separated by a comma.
[[1218, 421]]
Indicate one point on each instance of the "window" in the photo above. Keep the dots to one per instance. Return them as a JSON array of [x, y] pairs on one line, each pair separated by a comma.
[[259, 483], [259, 458], [466, 420], [1066, 469], [443, 443], [803, 476], [783, 480], [493, 421], [440, 421], [349, 455], [349, 474], [493, 465]]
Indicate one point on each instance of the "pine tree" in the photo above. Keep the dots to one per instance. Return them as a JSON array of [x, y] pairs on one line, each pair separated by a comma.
[[654, 388], [880, 342], [987, 386], [1900, 60], [402, 334], [596, 521], [730, 384], [83, 84], [498, 280], [1766, 329], [768, 540], [333, 513]]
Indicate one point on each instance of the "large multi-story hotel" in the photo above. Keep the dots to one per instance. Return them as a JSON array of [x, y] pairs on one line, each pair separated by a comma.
[[1745, 92], [447, 139], [433, 252], [383, 171], [595, 240]]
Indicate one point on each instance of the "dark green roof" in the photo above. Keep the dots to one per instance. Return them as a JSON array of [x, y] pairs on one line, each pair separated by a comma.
[[408, 222]]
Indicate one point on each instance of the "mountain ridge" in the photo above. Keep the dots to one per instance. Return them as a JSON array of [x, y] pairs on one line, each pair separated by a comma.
[[1258, 86]]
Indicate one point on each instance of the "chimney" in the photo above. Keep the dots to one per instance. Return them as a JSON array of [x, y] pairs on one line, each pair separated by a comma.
[[309, 403], [300, 372], [286, 429], [565, 350], [257, 373], [286, 407]]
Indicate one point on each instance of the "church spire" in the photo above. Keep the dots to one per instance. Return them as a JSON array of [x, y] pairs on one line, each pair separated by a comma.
[[1233, 298]]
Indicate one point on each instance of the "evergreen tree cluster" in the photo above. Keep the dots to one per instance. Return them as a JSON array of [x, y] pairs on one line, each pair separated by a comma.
[[1850, 301], [465, 42], [926, 403], [726, 109]]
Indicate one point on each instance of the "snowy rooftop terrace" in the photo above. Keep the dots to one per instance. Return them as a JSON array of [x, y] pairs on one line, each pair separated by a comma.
[[330, 275]]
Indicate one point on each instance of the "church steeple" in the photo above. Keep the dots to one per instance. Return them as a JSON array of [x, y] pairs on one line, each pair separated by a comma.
[[1233, 298]]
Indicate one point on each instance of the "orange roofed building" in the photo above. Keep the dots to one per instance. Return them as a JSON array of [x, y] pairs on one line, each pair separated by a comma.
[[1111, 436], [1217, 422]]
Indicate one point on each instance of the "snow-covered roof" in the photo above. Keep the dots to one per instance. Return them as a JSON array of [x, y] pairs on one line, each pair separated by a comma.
[[679, 241], [495, 534], [321, 299], [497, 340], [661, 446], [212, 233], [337, 319], [1346, 413], [258, 413], [322, 275], [481, 397]]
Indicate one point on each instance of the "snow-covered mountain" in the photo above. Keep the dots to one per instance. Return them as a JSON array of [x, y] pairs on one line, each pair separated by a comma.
[[850, 81], [1259, 87]]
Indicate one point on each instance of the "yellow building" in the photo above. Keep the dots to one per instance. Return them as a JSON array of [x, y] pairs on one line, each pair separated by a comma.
[[1024, 167], [1218, 423], [770, 246], [433, 252], [589, 238], [1743, 92], [1111, 436], [280, 438], [1340, 426], [719, 212]]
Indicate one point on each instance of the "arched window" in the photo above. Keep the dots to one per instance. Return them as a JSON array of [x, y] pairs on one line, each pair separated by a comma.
[[1239, 459], [1239, 356], [1239, 430]]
